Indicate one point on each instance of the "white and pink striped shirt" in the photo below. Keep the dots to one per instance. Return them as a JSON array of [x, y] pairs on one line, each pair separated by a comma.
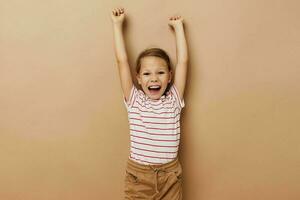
[[154, 126]]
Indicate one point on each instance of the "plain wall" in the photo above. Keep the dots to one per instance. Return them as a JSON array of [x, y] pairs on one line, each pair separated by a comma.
[[63, 124]]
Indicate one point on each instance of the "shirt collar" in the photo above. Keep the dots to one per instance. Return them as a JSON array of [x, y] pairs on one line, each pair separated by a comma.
[[162, 98]]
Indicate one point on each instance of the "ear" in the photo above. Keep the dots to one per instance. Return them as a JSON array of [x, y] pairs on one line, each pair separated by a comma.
[[138, 78], [170, 76]]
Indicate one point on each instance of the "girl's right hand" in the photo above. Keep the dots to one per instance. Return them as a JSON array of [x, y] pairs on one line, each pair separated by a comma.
[[118, 15]]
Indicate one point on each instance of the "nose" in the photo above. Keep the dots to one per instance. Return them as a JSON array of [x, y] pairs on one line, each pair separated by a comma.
[[154, 78]]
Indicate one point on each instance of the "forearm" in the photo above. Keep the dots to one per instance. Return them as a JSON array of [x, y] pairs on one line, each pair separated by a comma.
[[119, 44], [181, 44]]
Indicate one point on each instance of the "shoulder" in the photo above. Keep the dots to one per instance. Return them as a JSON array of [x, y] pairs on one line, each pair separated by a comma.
[[173, 92], [135, 95]]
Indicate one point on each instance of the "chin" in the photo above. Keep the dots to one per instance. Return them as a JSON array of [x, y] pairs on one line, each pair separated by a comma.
[[156, 97]]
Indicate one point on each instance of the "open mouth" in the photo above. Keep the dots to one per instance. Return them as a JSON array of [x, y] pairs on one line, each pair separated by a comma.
[[154, 89]]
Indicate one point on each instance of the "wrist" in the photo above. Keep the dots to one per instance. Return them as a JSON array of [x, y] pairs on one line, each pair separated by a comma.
[[178, 26], [118, 24]]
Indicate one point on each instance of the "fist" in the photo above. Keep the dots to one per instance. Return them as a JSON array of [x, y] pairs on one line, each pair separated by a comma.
[[175, 20], [118, 15]]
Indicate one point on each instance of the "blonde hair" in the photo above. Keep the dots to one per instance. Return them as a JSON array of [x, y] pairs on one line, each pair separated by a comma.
[[157, 52]]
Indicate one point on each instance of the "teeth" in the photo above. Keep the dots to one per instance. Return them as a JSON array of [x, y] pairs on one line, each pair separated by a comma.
[[154, 87]]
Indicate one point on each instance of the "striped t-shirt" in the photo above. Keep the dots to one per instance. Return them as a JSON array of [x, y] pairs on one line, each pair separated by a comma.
[[154, 126]]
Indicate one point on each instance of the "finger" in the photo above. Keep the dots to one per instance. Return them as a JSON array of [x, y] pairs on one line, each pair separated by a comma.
[[119, 10], [115, 12]]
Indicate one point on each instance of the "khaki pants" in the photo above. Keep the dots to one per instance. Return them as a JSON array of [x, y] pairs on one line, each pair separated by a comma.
[[153, 182]]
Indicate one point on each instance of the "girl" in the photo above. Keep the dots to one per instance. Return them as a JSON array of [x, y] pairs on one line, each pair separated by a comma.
[[153, 170]]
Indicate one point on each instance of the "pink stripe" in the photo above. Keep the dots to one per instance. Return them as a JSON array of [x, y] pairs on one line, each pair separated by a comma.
[[177, 94], [151, 156], [144, 111], [130, 112], [145, 161], [154, 133], [175, 91], [154, 151], [133, 95], [162, 107], [151, 103], [152, 144], [154, 139], [168, 129], [153, 122]]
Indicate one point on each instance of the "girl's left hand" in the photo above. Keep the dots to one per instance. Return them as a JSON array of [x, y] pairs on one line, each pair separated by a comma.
[[175, 20]]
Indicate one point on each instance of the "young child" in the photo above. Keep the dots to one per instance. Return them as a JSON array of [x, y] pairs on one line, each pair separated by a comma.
[[153, 170]]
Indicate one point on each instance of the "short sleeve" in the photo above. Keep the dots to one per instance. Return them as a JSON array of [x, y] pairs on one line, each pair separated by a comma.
[[175, 93], [132, 97]]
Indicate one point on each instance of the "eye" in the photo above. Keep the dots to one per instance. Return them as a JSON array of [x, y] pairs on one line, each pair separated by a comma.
[[161, 72], [146, 73]]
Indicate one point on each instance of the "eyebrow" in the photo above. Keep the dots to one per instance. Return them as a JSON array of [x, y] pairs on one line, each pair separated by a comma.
[[163, 68]]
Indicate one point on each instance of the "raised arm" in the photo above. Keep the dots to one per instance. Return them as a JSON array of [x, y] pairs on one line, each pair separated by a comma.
[[182, 54], [118, 16]]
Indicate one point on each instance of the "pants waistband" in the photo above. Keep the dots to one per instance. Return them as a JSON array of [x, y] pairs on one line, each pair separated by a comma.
[[146, 168], [153, 168]]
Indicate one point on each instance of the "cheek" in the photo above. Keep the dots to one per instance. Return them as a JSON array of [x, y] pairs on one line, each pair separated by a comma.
[[144, 82], [167, 79]]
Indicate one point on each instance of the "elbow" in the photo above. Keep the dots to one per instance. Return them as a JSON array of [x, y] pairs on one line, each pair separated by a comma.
[[122, 59], [184, 58]]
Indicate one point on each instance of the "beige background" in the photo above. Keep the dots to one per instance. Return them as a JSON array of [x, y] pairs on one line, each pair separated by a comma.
[[63, 124]]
